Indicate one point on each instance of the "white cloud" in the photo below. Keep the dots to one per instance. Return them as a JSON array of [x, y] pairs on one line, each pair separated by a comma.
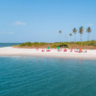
[[19, 23], [90, 24], [7, 32], [3, 32], [11, 32]]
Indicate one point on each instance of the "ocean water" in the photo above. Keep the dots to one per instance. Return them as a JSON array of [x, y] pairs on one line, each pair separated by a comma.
[[44, 76], [8, 44]]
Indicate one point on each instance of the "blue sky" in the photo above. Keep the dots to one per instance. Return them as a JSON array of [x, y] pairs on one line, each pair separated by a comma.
[[41, 20]]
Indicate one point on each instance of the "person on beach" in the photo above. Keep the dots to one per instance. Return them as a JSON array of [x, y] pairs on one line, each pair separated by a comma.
[[65, 50], [71, 50], [80, 50], [37, 48], [48, 47]]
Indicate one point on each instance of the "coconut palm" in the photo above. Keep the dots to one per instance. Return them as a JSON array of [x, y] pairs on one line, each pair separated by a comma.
[[74, 31], [81, 32], [60, 34], [88, 31], [70, 36]]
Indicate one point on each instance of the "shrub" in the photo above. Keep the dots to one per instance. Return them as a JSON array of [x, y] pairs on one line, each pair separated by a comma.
[[95, 45], [23, 44], [42, 43], [28, 43], [60, 45], [63, 44]]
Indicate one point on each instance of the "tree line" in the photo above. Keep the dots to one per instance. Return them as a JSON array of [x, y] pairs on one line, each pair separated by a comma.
[[81, 29]]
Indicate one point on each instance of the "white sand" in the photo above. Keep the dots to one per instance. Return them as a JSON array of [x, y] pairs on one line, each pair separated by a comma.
[[10, 51]]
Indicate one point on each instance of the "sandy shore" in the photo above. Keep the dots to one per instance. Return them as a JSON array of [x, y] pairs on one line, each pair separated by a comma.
[[10, 51]]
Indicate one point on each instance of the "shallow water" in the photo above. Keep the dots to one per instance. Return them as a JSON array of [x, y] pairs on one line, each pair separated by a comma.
[[42, 76]]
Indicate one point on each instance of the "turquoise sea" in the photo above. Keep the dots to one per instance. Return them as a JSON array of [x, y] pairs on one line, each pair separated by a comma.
[[44, 76]]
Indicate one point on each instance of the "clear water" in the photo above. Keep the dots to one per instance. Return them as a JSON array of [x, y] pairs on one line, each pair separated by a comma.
[[8, 44], [40, 76]]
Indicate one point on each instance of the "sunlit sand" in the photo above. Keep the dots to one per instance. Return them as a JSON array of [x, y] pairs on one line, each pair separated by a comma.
[[10, 51]]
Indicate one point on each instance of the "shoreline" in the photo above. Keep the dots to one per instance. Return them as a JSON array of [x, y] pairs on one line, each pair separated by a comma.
[[10, 51]]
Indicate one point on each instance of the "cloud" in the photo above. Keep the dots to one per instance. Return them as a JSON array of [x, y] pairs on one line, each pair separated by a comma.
[[19, 23], [3, 32], [10, 32], [90, 24], [7, 32]]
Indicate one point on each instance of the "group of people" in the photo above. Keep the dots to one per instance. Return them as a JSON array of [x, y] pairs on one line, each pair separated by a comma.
[[65, 50], [80, 50]]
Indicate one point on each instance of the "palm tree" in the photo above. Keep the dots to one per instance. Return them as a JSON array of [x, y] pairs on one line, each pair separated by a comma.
[[88, 31], [70, 36], [81, 32], [60, 34], [74, 31]]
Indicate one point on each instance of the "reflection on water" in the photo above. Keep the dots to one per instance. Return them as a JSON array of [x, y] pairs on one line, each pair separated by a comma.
[[44, 76]]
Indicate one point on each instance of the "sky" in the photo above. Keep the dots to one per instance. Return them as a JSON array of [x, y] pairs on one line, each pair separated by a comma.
[[41, 20]]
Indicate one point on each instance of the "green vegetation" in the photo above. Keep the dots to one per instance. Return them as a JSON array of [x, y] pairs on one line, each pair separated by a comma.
[[55, 45], [70, 36], [26, 44], [74, 31], [52, 45], [58, 44], [63, 44], [88, 31], [81, 29], [88, 43], [81, 32], [60, 34]]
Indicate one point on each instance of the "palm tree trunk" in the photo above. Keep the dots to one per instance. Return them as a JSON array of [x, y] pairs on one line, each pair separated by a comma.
[[75, 37], [60, 37], [81, 37], [89, 36], [70, 38]]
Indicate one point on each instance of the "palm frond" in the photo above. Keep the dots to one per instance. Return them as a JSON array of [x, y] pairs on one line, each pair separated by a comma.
[[60, 31], [81, 30], [74, 30], [70, 34], [88, 29]]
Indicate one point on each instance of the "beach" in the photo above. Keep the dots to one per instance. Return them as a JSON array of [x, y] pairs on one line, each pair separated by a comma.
[[10, 51]]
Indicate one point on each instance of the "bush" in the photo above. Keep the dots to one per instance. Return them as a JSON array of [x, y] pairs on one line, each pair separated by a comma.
[[28, 43], [60, 45], [63, 44], [23, 44], [54, 46], [95, 45], [42, 43], [84, 44]]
